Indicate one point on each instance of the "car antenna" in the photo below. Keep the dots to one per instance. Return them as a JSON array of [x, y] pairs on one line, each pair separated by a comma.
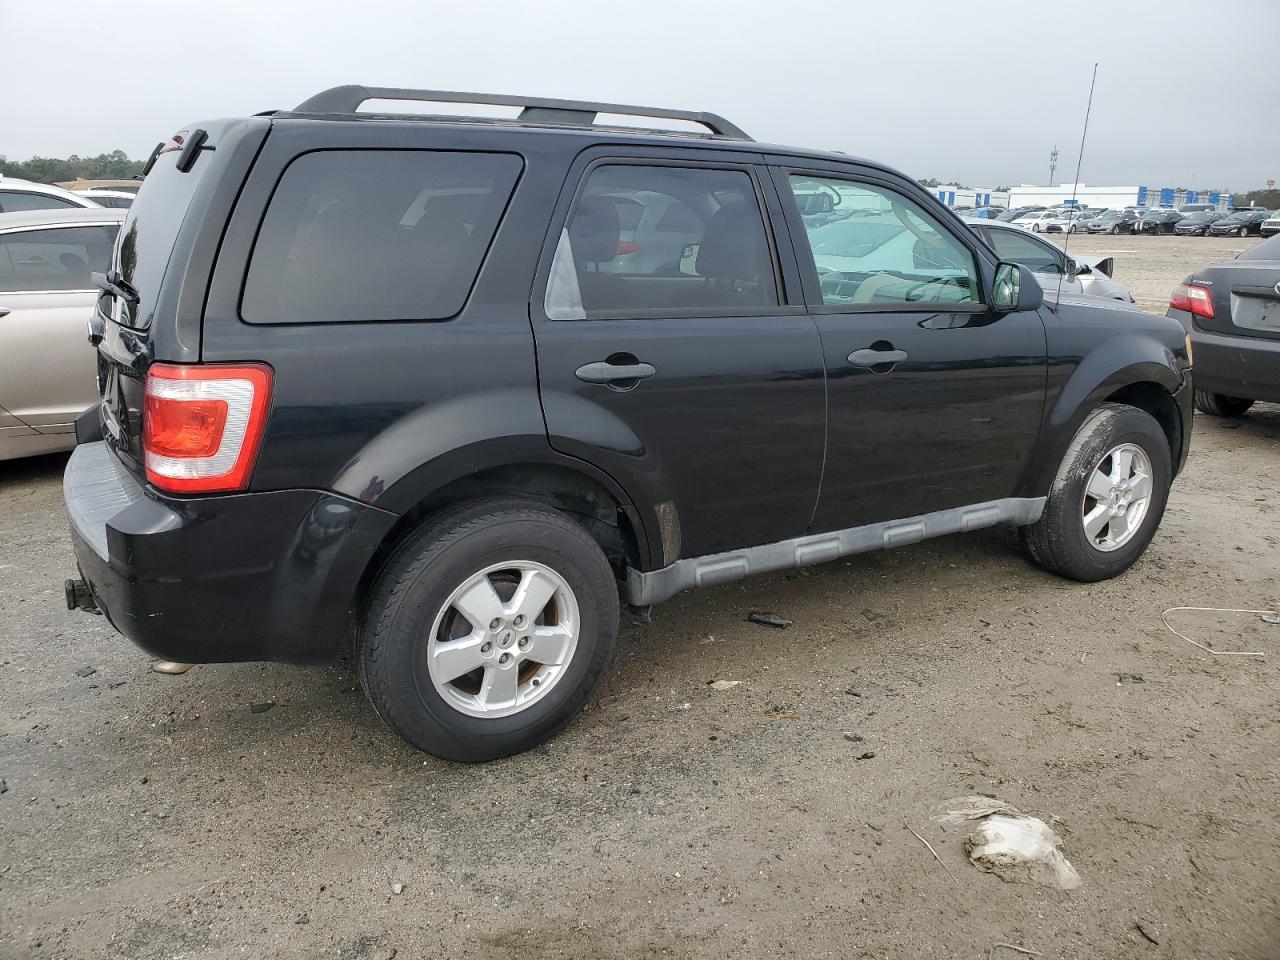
[[1079, 163]]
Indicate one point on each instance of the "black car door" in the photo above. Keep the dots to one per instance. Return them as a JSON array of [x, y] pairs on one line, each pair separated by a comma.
[[669, 354], [934, 400]]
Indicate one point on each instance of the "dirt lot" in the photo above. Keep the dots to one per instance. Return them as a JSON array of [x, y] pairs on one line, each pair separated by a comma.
[[150, 816]]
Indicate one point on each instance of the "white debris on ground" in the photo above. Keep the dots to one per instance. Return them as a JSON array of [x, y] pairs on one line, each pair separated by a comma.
[[1013, 846]]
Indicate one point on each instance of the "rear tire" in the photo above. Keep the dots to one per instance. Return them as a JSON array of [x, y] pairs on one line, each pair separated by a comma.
[[1088, 538], [1115, 231], [425, 620], [1244, 231], [1220, 405]]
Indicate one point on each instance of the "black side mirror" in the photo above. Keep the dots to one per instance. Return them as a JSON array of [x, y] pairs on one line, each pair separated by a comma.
[[1015, 289]]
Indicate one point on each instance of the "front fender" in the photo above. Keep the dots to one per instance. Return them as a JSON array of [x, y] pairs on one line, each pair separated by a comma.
[[1110, 366]]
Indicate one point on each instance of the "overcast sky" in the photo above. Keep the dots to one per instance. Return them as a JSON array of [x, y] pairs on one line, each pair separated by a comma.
[[1188, 91]]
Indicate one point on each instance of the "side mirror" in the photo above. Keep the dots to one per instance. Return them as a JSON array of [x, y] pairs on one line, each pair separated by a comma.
[[1075, 269], [1015, 289]]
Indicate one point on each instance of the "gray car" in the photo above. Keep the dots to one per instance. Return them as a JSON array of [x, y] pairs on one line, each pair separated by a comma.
[[1051, 265], [47, 372]]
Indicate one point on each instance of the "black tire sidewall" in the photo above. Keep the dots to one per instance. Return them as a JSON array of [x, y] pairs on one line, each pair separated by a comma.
[[399, 682], [1125, 426]]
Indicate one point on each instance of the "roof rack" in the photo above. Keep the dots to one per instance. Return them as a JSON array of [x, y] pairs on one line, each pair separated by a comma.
[[347, 99]]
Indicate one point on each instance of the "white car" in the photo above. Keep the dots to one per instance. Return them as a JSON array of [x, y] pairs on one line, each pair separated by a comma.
[[18, 195], [1066, 221], [114, 199], [1270, 225], [47, 370], [1051, 264], [1035, 222]]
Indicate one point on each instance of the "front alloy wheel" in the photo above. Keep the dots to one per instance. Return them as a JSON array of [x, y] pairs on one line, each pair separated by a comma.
[[1117, 496]]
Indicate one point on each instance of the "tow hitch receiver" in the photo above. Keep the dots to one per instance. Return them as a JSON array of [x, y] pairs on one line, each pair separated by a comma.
[[79, 597]]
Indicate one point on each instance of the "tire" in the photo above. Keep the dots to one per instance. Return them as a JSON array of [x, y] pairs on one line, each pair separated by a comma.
[[1058, 541], [409, 610], [1035, 228], [1244, 232], [1115, 231], [1220, 405]]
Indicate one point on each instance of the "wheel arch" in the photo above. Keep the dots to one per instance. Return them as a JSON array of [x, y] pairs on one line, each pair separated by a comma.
[[570, 486], [1146, 384]]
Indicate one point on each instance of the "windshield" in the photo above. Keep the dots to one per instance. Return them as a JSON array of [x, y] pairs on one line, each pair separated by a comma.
[[1198, 217], [1236, 218]]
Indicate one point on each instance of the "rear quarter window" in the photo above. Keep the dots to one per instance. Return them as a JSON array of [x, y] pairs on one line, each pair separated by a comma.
[[359, 235]]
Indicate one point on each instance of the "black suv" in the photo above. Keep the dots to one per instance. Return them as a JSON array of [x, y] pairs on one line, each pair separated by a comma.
[[453, 387]]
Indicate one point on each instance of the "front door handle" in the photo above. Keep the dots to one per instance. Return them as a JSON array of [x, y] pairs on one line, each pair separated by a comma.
[[602, 371], [867, 357]]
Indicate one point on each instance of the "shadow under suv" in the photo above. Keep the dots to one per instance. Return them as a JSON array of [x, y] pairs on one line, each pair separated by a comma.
[[456, 387]]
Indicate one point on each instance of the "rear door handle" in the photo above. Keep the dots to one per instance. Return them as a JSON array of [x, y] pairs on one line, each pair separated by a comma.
[[602, 372], [867, 357]]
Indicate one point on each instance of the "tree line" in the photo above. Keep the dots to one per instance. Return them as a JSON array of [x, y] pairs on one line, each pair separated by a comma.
[[115, 165]]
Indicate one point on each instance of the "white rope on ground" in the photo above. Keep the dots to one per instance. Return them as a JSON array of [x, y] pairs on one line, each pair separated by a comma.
[[1217, 653]]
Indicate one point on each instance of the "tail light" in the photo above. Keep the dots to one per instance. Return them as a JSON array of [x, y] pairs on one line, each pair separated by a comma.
[[1193, 299], [627, 246], [202, 425]]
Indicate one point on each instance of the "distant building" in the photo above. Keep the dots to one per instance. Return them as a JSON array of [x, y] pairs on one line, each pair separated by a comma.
[[957, 196], [1029, 195]]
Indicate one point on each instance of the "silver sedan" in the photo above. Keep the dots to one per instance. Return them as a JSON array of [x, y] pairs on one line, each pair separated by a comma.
[[47, 370]]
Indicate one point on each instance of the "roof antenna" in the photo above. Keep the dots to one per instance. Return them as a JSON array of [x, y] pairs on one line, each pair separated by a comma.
[[1079, 162]]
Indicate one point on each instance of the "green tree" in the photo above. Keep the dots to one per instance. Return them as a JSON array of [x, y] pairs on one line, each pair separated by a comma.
[[115, 165]]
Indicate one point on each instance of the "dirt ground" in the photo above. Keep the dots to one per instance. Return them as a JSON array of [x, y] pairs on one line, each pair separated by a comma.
[[148, 816]]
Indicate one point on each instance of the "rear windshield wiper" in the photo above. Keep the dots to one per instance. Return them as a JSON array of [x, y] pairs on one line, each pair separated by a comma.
[[111, 282]]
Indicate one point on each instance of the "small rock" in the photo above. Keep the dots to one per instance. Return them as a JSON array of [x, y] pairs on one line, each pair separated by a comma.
[[86, 671], [1271, 618], [869, 755], [682, 705], [853, 693], [723, 684], [1129, 678], [397, 888], [169, 666], [4, 787], [770, 620], [854, 737], [303, 920], [261, 707], [871, 615]]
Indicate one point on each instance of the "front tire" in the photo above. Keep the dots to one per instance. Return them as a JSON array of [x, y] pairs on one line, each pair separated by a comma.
[[487, 629], [1220, 405], [1107, 499], [1244, 232]]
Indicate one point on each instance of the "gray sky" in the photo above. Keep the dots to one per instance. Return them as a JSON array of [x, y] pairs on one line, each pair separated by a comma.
[[977, 91]]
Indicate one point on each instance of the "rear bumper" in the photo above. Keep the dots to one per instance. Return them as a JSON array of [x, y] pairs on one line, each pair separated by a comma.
[[255, 576], [1245, 367]]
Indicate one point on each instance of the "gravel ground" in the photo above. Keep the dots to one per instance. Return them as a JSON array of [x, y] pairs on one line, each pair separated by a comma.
[[148, 816]]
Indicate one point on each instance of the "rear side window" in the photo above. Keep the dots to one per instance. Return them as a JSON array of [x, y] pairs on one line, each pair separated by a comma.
[[54, 259], [376, 235], [11, 202]]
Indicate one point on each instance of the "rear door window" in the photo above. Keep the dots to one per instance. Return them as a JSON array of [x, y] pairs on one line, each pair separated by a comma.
[[353, 235], [54, 259], [698, 246]]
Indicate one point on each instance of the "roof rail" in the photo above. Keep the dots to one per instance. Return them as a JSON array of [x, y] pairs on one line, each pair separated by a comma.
[[347, 99]]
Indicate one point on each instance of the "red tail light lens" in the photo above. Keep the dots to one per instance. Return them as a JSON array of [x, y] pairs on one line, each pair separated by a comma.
[[202, 425], [627, 246], [1193, 299]]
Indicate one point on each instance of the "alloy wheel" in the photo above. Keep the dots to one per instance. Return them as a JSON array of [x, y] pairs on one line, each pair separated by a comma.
[[503, 639], [1117, 497]]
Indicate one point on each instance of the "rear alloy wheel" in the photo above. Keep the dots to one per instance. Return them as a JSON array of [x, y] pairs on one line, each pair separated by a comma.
[[1220, 405], [487, 629], [1244, 231], [1107, 500]]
